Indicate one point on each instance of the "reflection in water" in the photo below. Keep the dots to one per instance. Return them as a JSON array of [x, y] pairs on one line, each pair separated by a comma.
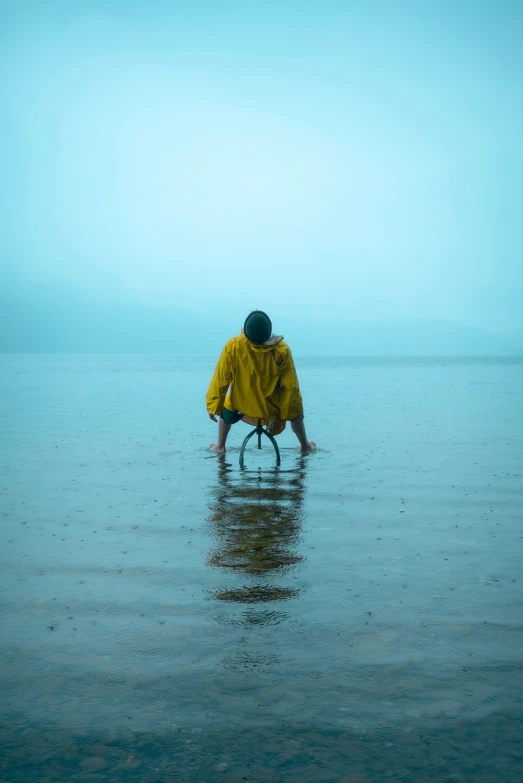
[[256, 518]]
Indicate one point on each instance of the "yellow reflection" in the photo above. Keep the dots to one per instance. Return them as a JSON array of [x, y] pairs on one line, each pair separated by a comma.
[[256, 518]]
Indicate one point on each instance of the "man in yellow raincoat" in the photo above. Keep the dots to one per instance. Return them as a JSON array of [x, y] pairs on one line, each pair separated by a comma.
[[255, 378]]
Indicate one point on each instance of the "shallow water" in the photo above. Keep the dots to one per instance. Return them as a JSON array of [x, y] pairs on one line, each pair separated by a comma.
[[354, 616]]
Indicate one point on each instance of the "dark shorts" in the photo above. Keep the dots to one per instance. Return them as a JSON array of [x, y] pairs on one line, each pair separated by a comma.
[[232, 417]]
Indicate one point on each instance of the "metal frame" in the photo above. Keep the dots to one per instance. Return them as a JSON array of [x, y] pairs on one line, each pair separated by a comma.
[[258, 430]]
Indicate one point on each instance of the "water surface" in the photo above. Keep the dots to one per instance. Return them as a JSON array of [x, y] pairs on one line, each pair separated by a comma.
[[352, 617]]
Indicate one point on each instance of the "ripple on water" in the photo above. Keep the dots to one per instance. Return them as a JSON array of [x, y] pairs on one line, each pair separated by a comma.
[[156, 653], [114, 678], [253, 594], [17, 719], [253, 617], [245, 660], [263, 617]]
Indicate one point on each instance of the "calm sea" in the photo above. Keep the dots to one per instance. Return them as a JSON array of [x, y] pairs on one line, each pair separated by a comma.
[[353, 617]]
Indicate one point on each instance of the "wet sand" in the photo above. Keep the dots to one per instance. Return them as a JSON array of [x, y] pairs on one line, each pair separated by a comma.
[[353, 617]]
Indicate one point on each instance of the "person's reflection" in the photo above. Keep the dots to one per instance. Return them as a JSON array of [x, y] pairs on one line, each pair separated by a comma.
[[256, 519]]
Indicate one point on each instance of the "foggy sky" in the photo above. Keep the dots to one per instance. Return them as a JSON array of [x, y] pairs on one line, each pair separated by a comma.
[[348, 160]]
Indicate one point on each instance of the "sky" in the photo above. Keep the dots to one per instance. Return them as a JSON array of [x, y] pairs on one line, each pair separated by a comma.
[[357, 160]]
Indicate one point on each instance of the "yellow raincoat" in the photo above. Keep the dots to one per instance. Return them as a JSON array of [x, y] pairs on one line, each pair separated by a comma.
[[261, 382]]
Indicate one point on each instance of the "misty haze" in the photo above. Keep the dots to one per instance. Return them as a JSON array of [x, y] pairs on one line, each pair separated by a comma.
[[351, 614]]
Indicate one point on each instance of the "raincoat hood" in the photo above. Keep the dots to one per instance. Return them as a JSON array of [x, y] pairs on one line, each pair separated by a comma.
[[268, 345]]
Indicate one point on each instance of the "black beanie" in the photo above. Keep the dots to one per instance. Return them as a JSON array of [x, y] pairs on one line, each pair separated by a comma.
[[257, 327]]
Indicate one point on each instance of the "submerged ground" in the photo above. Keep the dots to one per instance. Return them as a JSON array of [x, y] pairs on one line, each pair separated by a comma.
[[353, 617]]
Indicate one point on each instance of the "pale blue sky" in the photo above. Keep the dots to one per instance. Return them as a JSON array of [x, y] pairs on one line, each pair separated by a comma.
[[357, 158]]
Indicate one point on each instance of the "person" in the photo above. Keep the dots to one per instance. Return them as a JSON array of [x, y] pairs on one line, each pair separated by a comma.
[[255, 378]]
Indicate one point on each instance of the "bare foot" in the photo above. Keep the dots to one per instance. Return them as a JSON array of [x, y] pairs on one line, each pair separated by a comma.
[[311, 447], [214, 447]]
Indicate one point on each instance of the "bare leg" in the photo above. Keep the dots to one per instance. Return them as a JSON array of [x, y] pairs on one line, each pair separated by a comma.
[[298, 427], [223, 431]]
